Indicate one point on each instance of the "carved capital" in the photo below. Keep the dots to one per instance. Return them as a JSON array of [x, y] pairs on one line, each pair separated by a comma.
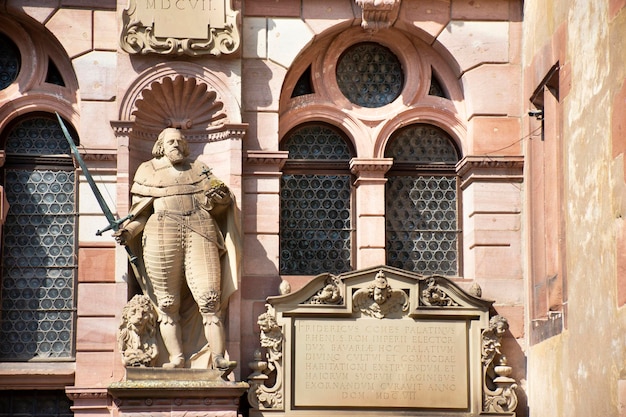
[[378, 14]]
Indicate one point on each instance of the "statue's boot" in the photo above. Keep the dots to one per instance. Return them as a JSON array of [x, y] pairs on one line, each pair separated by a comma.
[[214, 332], [172, 339]]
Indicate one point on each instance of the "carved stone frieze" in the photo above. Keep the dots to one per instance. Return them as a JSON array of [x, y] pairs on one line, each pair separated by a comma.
[[379, 300], [180, 27]]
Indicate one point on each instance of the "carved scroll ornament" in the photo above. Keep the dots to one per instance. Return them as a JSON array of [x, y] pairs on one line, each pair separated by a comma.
[[180, 27], [260, 395], [499, 394]]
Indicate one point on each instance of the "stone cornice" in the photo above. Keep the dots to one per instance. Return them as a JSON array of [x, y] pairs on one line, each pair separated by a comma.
[[271, 159], [490, 169]]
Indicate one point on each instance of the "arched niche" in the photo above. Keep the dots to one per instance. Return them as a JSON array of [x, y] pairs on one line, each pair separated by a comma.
[[184, 97]]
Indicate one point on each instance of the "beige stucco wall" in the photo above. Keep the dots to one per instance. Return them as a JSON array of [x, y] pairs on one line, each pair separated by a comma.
[[576, 373]]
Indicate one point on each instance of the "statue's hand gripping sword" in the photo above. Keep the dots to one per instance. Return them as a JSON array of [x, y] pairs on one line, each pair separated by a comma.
[[114, 224]]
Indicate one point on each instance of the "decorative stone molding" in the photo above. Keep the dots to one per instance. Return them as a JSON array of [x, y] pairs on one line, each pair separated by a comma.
[[75, 393], [360, 166], [378, 14], [170, 27], [269, 158], [490, 169], [370, 170]]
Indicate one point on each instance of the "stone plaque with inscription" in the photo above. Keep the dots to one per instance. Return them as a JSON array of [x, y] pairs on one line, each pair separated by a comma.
[[180, 27], [381, 340]]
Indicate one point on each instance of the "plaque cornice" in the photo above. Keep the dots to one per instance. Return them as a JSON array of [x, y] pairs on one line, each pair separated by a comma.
[[140, 27]]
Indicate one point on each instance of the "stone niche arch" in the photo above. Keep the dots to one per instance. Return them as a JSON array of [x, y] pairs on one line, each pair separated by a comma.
[[187, 97]]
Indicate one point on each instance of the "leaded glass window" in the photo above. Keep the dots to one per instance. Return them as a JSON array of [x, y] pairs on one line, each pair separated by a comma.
[[421, 201], [370, 75], [34, 403], [315, 203], [38, 248], [10, 61]]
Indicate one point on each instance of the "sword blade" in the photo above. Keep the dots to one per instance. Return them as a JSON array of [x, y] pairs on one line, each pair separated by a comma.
[[114, 224], [92, 184]]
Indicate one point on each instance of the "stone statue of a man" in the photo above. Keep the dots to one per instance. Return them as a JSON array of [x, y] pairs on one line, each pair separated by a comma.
[[178, 209]]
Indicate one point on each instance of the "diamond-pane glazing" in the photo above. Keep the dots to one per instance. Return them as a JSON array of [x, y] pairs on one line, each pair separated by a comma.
[[317, 142], [38, 264], [10, 61], [421, 224], [424, 144], [370, 75], [315, 230], [37, 136]]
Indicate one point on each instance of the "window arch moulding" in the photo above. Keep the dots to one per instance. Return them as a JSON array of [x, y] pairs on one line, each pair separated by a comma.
[[445, 120], [30, 90], [419, 62]]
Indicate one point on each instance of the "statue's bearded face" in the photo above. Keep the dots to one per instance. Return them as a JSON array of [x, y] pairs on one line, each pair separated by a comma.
[[173, 147]]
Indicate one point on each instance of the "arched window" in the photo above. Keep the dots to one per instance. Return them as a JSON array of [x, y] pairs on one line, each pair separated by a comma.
[[421, 201], [315, 202], [10, 61], [38, 242]]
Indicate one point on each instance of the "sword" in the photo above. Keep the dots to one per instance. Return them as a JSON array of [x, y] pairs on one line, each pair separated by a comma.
[[114, 224]]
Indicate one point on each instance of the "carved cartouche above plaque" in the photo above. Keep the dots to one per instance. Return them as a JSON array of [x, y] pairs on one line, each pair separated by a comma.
[[180, 27], [379, 300]]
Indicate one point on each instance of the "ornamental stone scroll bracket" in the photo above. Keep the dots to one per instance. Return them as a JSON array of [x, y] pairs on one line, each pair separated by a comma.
[[269, 371], [499, 394]]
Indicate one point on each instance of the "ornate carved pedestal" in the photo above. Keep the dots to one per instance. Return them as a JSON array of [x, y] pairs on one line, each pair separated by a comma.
[[158, 392]]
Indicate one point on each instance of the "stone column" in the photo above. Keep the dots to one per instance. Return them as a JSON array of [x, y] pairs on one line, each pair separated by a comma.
[[370, 209]]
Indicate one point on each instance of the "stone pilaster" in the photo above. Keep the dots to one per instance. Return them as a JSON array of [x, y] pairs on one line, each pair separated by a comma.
[[370, 209]]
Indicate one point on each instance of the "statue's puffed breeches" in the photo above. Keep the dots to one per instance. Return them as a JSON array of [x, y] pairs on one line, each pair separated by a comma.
[[179, 249]]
